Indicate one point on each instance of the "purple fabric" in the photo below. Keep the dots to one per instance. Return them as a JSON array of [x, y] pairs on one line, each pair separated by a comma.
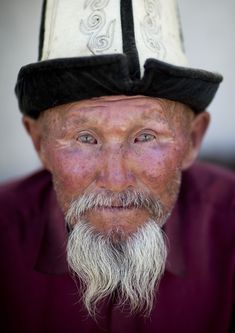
[[196, 294]]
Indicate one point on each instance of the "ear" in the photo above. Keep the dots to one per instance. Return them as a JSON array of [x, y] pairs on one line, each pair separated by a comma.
[[199, 127], [33, 127]]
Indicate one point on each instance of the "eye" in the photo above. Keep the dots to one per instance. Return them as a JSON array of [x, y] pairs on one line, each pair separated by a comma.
[[87, 138], [144, 137]]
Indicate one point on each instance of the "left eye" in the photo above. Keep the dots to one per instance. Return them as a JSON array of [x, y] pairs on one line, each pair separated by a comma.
[[87, 138], [145, 137]]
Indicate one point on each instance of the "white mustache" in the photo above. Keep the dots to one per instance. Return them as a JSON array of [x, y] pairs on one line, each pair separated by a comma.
[[127, 199]]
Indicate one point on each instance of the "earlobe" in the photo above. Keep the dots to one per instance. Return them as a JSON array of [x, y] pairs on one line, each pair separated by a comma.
[[198, 129]]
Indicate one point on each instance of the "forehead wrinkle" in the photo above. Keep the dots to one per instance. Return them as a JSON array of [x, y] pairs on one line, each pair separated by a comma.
[[81, 111], [156, 115], [78, 116], [154, 108], [103, 114], [77, 112]]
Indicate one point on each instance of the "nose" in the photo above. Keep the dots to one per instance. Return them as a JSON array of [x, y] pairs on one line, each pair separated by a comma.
[[114, 170]]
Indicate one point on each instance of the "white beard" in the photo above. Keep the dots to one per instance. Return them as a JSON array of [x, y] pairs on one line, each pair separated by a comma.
[[132, 267]]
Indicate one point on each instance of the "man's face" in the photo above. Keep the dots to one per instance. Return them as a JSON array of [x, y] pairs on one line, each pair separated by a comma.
[[116, 164], [115, 144]]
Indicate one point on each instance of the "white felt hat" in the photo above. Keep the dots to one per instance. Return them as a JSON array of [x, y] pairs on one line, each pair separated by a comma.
[[91, 48]]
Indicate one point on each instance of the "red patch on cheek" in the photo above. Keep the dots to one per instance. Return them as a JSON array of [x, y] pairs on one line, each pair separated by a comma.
[[72, 173], [154, 164], [158, 170]]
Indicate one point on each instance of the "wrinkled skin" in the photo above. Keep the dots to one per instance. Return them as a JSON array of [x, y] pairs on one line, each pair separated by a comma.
[[115, 143]]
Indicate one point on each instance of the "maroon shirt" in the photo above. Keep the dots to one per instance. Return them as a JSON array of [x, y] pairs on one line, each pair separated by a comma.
[[196, 294]]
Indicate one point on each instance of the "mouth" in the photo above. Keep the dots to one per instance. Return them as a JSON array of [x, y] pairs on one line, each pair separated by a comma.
[[117, 216], [116, 207]]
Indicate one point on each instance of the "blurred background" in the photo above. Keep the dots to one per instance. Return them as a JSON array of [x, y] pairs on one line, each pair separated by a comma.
[[208, 27]]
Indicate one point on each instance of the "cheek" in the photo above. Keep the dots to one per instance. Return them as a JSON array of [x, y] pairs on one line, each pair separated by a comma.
[[156, 162], [73, 170], [159, 169]]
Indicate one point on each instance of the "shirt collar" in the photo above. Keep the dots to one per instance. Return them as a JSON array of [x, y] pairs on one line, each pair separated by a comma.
[[51, 258], [175, 263]]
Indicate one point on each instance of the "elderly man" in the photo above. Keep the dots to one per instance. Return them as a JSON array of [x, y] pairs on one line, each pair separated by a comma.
[[121, 231]]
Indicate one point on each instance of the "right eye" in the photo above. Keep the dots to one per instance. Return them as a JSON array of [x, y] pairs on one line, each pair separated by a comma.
[[87, 139]]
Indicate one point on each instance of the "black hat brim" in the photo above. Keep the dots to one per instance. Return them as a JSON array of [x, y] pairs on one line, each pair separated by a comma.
[[50, 83]]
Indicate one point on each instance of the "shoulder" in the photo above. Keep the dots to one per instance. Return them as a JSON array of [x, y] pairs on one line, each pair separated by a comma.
[[207, 201], [20, 198], [212, 183], [24, 189]]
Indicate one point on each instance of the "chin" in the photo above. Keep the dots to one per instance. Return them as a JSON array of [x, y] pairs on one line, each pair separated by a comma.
[[117, 224], [121, 232]]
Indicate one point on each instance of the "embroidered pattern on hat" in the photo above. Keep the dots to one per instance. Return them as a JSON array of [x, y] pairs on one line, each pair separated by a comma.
[[55, 6], [101, 33], [151, 28]]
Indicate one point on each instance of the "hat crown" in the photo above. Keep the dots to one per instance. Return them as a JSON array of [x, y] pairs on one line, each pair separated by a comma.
[[139, 28], [93, 48]]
